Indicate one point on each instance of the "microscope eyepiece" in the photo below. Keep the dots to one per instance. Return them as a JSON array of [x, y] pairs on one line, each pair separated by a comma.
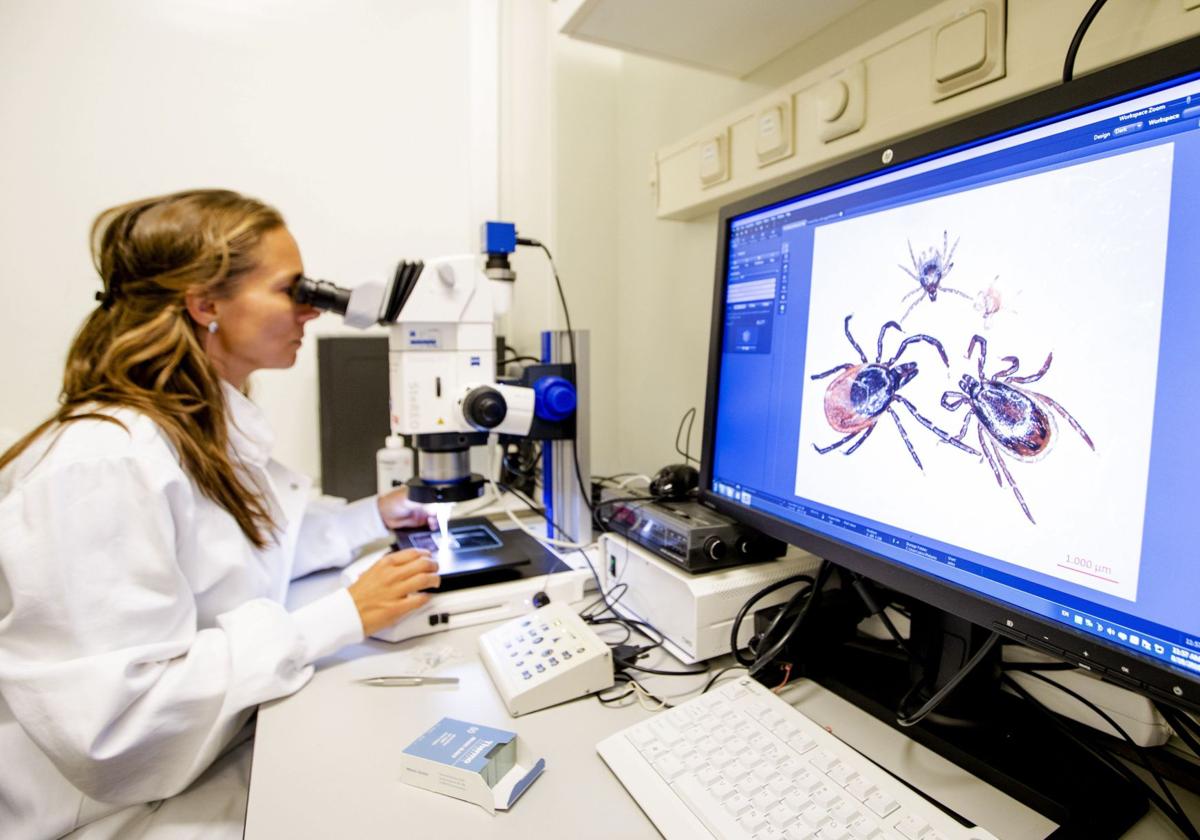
[[321, 294]]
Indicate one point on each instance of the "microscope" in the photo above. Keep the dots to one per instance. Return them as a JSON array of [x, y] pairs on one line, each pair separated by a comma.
[[443, 389], [445, 397]]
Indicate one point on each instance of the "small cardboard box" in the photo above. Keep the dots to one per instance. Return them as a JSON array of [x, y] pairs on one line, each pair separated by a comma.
[[480, 764]]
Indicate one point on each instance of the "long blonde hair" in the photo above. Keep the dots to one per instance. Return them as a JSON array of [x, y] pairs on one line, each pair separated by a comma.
[[140, 349]]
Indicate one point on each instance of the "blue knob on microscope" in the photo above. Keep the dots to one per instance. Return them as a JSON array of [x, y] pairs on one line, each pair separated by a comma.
[[554, 398]]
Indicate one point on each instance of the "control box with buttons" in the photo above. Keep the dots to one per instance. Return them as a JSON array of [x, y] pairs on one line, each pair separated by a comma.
[[545, 658]]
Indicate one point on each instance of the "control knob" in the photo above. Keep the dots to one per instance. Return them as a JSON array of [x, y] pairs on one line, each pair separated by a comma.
[[714, 548]]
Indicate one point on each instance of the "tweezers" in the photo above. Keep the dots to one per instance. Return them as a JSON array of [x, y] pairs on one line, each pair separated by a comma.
[[402, 681]]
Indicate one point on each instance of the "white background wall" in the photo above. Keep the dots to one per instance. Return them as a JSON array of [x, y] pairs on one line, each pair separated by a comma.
[[368, 123], [390, 128]]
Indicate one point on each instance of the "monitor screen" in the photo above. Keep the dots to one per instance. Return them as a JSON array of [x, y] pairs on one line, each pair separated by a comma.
[[968, 364]]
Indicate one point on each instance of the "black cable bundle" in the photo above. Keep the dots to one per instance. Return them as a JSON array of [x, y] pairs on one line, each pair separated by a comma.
[[778, 634], [1083, 737], [1069, 64]]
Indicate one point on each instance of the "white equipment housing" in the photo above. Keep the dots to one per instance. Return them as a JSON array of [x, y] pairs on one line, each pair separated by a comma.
[[1132, 711], [442, 347], [545, 658], [693, 612]]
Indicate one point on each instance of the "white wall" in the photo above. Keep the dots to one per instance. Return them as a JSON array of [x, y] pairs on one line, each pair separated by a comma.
[[660, 272], [390, 128], [369, 123]]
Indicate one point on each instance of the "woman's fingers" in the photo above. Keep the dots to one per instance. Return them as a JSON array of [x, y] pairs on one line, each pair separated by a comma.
[[392, 587], [410, 603], [406, 555]]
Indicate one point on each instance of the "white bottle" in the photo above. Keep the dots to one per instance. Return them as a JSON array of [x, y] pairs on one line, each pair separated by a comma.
[[393, 464]]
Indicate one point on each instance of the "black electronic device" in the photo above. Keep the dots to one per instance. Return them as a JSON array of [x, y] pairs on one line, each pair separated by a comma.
[[689, 534], [911, 368]]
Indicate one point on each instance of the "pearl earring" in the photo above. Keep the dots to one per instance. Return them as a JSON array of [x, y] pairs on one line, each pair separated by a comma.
[[212, 326]]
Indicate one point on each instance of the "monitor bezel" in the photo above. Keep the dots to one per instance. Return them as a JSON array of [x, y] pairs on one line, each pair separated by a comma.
[[1129, 78]]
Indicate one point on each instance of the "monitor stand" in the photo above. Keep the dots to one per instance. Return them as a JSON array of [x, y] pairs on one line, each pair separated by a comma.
[[988, 732]]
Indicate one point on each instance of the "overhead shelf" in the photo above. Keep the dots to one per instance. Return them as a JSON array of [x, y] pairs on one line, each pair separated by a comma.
[[733, 38]]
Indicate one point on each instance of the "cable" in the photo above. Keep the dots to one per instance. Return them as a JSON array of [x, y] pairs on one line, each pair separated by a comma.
[[689, 417], [620, 588], [1182, 724], [1069, 64], [638, 691], [604, 596], [1138, 751], [522, 471], [933, 702], [640, 650], [607, 700], [735, 630], [621, 678], [600, 479], [544, 539], [1184, 718], [584, 489], [591, 568], [626, 479], [764, 658], [539, 537], [659, 672], [644, 694], [1113, 763], [713, 680], [621, 485], [862, 587]]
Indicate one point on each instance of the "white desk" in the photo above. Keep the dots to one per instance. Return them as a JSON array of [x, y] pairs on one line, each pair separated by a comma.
[[325, 758]]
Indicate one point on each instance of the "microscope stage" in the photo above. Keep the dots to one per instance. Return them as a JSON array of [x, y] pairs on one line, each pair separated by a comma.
[[481, 554]]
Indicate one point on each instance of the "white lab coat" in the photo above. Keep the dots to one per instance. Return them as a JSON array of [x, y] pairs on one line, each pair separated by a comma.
[[139, 628]]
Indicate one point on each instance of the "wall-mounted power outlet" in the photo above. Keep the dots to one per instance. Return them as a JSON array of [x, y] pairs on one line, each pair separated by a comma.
[[841, 103], [773, 132], [967, 50], [714, 160]]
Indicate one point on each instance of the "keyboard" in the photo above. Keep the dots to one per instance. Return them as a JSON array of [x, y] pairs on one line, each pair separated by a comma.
[[739, 762]]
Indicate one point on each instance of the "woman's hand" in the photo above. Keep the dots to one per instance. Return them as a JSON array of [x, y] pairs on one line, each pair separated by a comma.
[[398, 512], [391, 588]]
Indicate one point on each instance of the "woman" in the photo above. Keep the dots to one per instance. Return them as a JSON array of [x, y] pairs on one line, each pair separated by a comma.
[[147, 538]]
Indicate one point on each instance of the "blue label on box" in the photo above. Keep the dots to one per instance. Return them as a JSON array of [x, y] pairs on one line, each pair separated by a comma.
[[457, 743]]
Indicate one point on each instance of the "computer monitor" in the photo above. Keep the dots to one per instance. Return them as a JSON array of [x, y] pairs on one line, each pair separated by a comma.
[[967, 366]]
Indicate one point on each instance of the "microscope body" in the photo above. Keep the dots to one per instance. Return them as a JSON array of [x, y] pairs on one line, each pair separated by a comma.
[[443, 392], [442, 349]]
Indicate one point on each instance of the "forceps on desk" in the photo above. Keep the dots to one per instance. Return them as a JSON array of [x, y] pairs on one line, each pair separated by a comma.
[[402, 681]]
